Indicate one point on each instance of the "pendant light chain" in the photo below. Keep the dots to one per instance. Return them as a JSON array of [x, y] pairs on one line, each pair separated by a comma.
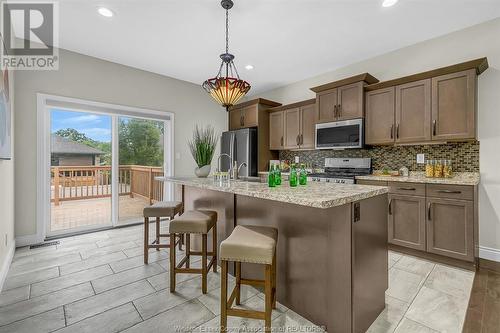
[[227, 30]]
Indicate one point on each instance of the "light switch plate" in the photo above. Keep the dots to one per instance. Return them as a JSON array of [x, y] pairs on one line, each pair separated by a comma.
[[177, 156], [420, 158]]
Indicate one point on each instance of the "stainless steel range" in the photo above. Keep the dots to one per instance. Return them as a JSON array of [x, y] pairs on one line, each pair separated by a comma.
[[342, 170]]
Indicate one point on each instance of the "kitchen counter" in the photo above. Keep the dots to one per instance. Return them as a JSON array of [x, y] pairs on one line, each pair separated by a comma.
[[317, 195], [459, 178], [332, 243]]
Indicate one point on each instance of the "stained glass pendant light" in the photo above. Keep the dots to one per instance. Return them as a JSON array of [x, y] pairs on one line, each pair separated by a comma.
[[226, 87]]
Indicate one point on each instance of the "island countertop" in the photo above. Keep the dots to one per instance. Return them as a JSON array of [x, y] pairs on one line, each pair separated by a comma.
[[459, 178], [317, 195]]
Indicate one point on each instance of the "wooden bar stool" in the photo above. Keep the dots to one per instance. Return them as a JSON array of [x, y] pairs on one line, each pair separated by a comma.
[[249, 244], [159, 209], [194, 222]]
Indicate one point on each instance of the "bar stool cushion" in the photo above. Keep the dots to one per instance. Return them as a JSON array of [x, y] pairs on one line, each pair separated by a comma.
[[194, 222], [163, 209], [252, 244]]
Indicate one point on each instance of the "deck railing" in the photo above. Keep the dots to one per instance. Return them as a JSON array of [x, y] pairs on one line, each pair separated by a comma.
[[88, 182]]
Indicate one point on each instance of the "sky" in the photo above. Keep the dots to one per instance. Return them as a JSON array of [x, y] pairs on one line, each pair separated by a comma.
[[94, 126]]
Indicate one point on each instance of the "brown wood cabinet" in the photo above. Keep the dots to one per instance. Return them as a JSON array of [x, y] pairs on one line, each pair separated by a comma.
[[276, 130], [341, 103], [244, 117], [407, 221], [292, 126], [454, 106], [434, 106], [413, 112], [380, 113], [434, 219], [342, 99], [450, 228], [254, 113]]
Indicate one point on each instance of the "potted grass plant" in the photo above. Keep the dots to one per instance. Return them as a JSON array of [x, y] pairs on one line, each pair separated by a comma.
[[202, 147]]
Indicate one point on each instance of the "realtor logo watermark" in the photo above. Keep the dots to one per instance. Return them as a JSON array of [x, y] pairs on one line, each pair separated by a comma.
[[30, 32]]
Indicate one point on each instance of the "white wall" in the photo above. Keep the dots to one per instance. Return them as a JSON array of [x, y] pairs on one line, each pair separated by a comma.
[[7, 201], [89, 78], [471, 43]]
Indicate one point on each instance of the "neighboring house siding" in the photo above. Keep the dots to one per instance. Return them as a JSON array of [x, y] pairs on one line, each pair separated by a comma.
[[75, 160]]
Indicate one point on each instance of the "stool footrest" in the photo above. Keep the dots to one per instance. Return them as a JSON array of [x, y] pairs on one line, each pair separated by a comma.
[[252, 282], [188, 270], [246, 313]]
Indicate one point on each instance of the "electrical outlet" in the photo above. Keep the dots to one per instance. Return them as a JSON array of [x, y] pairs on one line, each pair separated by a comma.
[[297, 160], [420, 158]]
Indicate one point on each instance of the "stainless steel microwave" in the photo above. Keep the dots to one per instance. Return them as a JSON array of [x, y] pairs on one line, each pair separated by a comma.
[[340, 134]]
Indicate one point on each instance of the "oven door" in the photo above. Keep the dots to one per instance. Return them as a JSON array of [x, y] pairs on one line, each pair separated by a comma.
[[340, 134]]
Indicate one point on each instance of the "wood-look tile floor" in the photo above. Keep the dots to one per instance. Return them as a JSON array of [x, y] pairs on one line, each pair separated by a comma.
[[98, 283]]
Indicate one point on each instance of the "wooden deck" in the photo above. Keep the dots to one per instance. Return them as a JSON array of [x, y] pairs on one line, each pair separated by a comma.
[[95, 212]]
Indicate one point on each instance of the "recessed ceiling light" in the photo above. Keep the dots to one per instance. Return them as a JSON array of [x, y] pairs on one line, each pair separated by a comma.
[[248, 67], [389, 3], [106, 12]]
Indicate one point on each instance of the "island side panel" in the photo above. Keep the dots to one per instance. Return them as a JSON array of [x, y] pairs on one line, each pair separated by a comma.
[[369, 267], [221, 202], [314, 258]]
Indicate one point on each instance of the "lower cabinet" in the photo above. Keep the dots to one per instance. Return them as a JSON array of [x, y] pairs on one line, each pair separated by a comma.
[[407, 221], [450, 228]]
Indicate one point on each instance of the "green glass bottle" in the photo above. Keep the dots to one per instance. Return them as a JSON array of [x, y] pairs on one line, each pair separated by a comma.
[[277, 175], [271, 181], [302, 175], [293, 176]]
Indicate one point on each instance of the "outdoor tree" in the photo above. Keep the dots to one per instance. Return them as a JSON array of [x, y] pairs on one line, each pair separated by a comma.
[[140, 142]]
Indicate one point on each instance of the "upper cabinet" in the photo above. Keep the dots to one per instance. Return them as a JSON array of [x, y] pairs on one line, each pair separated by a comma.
[[254, 114], [342, 100], [454, 106], [292, 126], [435, 106]]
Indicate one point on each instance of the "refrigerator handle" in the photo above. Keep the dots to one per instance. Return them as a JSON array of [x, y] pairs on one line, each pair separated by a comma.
[[231, 148]]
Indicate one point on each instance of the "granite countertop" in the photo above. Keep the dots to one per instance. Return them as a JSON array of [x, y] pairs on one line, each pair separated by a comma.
[[317, 195], [459, 178]]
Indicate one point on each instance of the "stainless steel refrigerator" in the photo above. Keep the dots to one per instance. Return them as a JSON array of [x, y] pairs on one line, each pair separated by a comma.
[[241, 145]]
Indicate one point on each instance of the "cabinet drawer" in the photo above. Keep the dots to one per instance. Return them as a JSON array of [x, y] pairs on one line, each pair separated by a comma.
[[371, 182], [407, 188], [463, 192]]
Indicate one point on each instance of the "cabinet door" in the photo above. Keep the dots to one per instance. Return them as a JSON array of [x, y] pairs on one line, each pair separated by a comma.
[[350, 100], [454, 106], [413, 112], [250, 116], [276, 139], [326, 103], [307, 127], [235, 120], [379, 121], [292, 128], [450, 228], [407, 221]]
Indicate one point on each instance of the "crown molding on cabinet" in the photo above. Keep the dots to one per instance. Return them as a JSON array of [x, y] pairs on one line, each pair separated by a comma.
[[365, 77]]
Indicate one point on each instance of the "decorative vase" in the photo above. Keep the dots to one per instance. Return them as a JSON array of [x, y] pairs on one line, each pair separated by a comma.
[[202, 172]]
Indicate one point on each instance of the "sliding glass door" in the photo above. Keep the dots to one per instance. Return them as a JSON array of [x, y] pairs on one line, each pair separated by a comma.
[[103, 168]]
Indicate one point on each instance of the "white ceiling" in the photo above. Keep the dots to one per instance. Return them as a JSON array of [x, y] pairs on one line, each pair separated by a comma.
[[285, 40]]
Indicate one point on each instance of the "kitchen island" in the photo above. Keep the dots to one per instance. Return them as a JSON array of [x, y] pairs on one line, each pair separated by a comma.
[[332, 243]]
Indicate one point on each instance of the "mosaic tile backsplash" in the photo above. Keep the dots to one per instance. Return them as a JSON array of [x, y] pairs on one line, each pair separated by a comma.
[[464, 156]]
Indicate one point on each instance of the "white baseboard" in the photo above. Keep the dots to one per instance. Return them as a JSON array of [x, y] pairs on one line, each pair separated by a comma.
[[489, 253], [27, 240], [4, 269]]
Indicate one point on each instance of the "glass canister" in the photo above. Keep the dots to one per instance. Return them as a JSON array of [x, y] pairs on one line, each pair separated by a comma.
[[429, 169], [447, 169], [438, 169]]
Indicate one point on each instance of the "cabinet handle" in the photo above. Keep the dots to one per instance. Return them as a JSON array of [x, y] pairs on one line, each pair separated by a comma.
[[390, 206], [429, 214], [392, 131], [449, 191], [397, 131], [339, 108], [281, 141], [297, 140], [335, 111], [301, 139], [434, 124], [241, 121], [406, 188]]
